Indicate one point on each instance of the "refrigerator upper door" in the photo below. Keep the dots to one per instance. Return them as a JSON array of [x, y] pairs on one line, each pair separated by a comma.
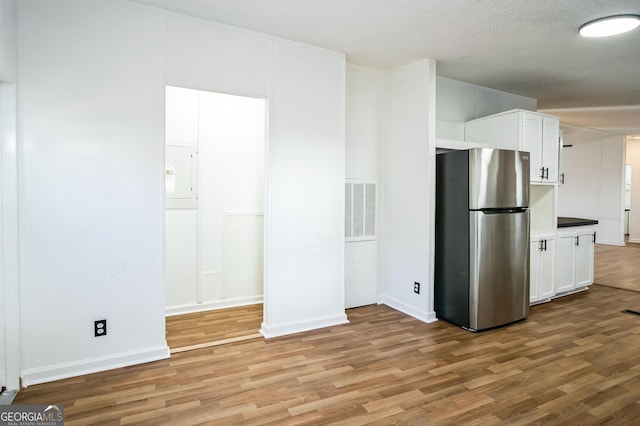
[[498, 178], [499, 268]]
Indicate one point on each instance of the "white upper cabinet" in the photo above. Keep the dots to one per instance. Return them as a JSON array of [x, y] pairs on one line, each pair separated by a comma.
[[525, 131], [550, 147]]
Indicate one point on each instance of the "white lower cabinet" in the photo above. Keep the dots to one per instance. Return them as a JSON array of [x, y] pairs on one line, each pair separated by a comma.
[[542, 260], [565, 270], [575, 258], [585, 258]]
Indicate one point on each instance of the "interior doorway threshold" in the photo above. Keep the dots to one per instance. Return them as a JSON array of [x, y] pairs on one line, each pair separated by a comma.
[[215, 343]]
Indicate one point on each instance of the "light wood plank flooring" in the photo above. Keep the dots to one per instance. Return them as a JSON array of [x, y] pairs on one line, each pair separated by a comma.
[[575, 360], [211, 327], [618, 266]]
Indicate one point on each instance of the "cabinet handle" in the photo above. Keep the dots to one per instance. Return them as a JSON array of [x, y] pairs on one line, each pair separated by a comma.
[[562, 178], [594, 237], [546, 173], [541, 172], [577, 240], [542, 245]]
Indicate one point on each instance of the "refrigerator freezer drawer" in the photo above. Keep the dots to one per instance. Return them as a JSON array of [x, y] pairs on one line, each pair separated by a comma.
[[499, 268]]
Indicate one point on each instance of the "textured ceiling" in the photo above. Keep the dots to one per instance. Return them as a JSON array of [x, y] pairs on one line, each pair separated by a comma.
[[526, 47]]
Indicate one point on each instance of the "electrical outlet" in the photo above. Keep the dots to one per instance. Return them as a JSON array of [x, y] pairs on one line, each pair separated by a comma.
[[100, 328], [416, 287]]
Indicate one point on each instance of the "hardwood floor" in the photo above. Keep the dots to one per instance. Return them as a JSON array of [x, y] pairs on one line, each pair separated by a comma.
[[213, 327], [618, 266], [575, 360]]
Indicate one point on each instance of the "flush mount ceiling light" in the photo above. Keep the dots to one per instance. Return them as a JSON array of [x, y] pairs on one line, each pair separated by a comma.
[[611, 25]]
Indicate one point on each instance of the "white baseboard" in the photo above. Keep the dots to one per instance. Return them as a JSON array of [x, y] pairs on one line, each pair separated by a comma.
[[269, 331], [612, 243], [50, 373], [214, 304], [570, 292], [407, 309]]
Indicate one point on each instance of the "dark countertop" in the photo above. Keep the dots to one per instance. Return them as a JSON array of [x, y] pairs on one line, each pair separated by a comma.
[[565, 222]]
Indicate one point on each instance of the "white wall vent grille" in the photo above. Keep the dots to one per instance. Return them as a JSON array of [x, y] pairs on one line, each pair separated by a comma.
[[360, 210]]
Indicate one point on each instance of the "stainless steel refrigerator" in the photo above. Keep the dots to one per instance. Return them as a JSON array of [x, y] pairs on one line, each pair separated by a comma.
[[482, 237]]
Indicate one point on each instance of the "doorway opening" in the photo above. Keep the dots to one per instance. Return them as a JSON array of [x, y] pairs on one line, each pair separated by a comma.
[[214, 216]]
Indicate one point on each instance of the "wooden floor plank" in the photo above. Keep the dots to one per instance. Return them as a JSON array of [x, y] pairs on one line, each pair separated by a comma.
[[618, 266], [204, 328]]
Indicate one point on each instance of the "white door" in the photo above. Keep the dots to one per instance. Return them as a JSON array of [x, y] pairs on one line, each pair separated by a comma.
[[547, 263], [534, 271], [584, 260], [532, 142], [565, 279], [550, 148], [361, 274]]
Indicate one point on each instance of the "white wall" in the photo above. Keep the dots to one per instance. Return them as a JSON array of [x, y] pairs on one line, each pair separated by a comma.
[[594, 182], [408, 173], [231, 197], [458, 102], [9, 287], [364, 127], [93, 77], [8, 41], [305, 190], [364, 114], [91, 104], [181, 225], [181, 260], [217, 58], [633, 158], [9, 259]]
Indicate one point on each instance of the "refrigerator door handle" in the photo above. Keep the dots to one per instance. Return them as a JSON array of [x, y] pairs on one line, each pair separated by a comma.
[[503, 211]]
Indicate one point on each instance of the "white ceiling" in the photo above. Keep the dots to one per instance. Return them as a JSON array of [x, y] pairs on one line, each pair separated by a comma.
[[526, 47]]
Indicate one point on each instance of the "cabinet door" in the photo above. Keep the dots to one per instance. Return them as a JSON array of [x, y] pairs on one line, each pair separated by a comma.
[[499, 131], [584, 260], [565, 279], [550, 148], [546, 274], [532, 142], [534, 267]]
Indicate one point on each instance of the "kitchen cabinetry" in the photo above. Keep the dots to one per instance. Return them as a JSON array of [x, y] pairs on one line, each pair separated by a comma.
[[542, 261], [525, 131], [575, 251]]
